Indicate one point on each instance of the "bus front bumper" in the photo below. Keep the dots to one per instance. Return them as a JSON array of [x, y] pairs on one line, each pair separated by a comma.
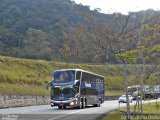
[[72, 102]]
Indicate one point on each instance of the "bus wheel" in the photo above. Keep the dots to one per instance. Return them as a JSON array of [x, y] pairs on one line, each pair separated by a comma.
[[99, 103], [80, 105], [83, 104], [60, 107]]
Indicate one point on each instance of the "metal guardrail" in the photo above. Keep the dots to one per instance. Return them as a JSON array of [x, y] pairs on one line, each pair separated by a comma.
[[107, 98]]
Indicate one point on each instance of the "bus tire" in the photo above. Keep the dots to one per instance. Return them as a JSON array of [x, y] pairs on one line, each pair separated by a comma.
[[80, 105], [83, 103], [98, 104], [60, 107]]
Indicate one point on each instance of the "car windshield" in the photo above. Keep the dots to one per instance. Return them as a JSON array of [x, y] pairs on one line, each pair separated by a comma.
[[64, 76], [62, 91], [123, 96]]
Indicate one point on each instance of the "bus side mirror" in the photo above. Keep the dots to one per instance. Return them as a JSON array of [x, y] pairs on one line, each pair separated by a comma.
[[47, 85], [76, 83]]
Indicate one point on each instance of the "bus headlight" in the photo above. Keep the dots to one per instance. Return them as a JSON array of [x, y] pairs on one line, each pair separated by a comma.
[[71, 103], [52, 104]]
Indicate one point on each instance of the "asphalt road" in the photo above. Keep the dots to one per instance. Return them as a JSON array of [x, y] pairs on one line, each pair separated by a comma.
[[45, 112]]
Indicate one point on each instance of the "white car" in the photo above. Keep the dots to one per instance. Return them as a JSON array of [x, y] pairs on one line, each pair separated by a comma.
[[123, 99]]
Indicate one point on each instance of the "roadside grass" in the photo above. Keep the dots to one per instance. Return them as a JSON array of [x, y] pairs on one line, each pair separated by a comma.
[[150, 108], [34, 74], [114, 115], [114, 92], [23, 89]]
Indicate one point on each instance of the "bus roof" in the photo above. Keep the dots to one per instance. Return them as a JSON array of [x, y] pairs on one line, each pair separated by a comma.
[[80, 70]]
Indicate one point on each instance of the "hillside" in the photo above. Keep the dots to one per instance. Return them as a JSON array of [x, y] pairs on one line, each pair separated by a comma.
[[52, 19], [23, 76]]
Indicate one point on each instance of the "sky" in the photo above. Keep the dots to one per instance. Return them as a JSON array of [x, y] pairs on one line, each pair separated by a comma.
[[122, 6]]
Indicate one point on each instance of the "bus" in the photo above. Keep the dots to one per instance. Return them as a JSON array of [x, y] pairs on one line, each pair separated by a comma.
[[76, 88]]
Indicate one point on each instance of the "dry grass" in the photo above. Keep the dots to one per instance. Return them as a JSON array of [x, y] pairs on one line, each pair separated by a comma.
[[33, 74]]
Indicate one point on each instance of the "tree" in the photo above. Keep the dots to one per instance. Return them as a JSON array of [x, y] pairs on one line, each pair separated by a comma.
[[36, 45], [147, 49], [66, 53], [80, 46], [118, 42], [52, 44]]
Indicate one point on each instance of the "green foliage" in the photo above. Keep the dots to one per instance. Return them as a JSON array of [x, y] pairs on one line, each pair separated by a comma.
[[36, 45], [23, 72], [114, 92], [23, 89], [148, 46], [54, 17], [114, 115], [128, 55], [156, 48], [151, 108]]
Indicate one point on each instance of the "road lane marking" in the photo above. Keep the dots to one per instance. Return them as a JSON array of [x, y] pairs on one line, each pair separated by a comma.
[[66, 114], [78, 112], [71, 113]]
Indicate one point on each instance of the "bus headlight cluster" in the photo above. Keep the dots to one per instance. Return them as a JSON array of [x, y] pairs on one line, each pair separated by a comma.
[[52, 104], [72, 103]]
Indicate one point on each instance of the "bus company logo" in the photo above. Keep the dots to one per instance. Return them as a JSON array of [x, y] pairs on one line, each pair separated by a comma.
[[87, 84]]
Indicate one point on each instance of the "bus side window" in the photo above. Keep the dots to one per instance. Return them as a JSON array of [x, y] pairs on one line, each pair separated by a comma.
[[78, 75]]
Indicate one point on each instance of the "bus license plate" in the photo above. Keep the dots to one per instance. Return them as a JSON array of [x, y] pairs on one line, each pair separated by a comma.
[[60, 104]]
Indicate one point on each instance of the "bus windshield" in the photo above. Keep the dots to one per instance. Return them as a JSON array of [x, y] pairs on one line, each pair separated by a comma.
[[64, 76], [62, 92]]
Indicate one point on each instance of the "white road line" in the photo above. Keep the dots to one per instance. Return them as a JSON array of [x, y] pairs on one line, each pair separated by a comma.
[[66, 114], [71, 113]]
